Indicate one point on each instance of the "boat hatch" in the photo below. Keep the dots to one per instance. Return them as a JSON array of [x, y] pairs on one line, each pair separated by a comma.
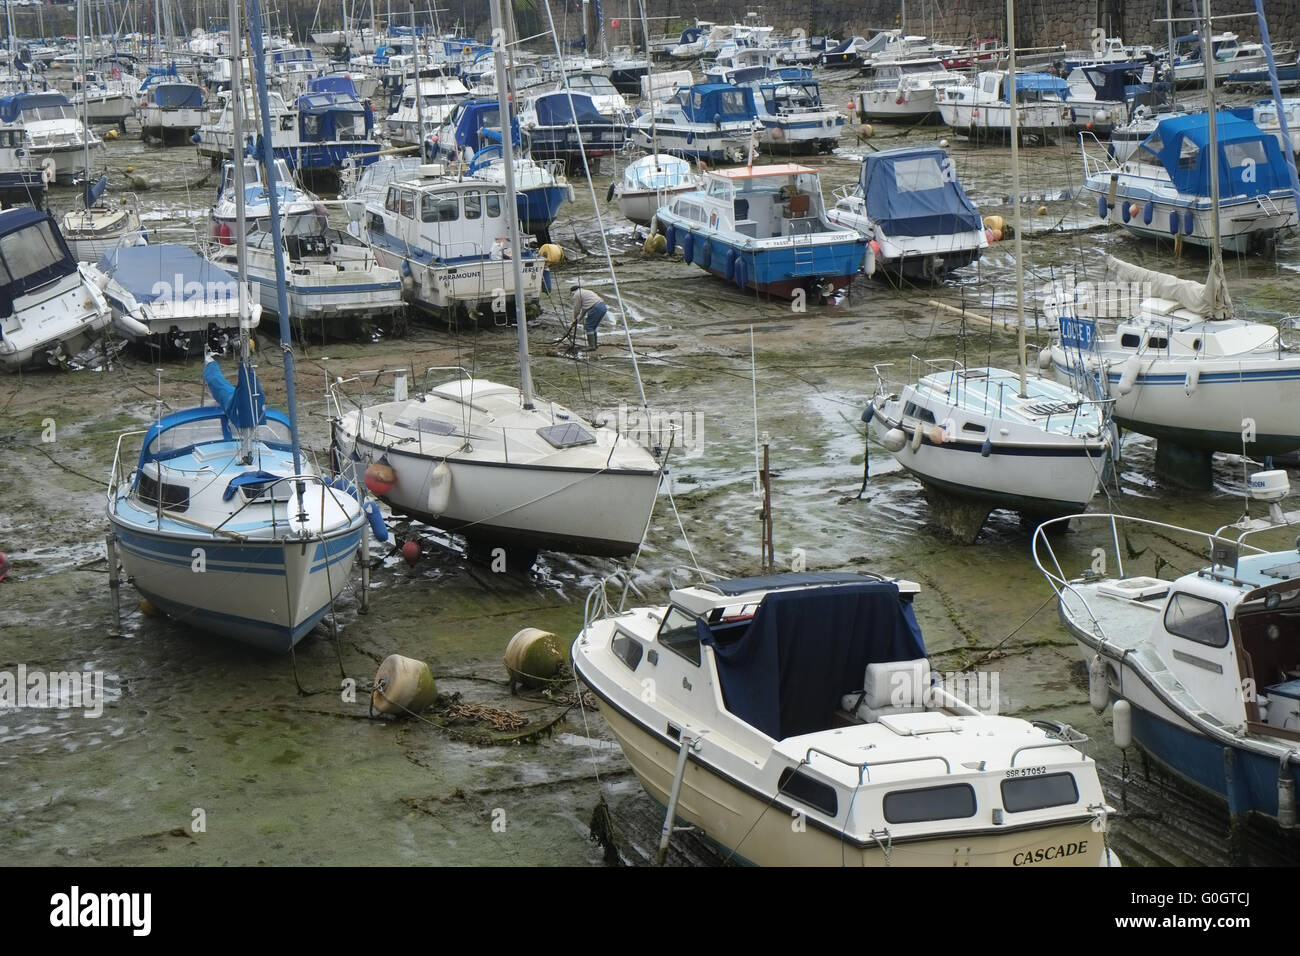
[[567, 435], [1135, 589], [1048, 408], [914, 725], [431, 425], [1283, 572]]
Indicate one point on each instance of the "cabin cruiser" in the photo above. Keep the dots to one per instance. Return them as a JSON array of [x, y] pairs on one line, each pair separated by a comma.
[[1102, 95], [981, 110], [217, 137], [335, 129], [1228, 53], [448, 236], [809, 697], [705, 121], [54, 135], [1203, 667], [290, 70], [567, 126], [22, 180], [109, 97], [439, 96], [171, 108], [794, 118], [905, 91], [910, 205], [50, 309], [609, 102], [765, 228], [1163, 190]]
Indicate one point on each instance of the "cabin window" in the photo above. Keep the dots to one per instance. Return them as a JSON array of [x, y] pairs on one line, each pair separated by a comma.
[[1189, 154], [30, 250], [408, 203], [1158, 342], [802, 787], [473, 205], [1130, 340], [912, 410], [627, 649], [678, 634], [1037, 793], [311, 126], [918, 175], [1197, 619], [953, 802], [1248, 155], [494, 205], [444, 207], [173, 497], [971, 427]]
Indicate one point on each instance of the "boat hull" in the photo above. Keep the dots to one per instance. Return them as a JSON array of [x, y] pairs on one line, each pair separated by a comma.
[[284, 588], [746, 825]]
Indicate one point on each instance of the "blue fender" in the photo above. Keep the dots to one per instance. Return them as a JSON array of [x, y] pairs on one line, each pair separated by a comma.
[[670, 237], [376, 520], [731, 265], [1173, 222], [704, 255], [1124, 211], [1101, 206], [688, 247], [1188, 223], [742, 273], [1148, 212]]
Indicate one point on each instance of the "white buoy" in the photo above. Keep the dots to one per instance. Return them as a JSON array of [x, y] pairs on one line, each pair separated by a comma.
[[1098, 691], [533, 657], [1193, 379], [1123, 721], [1044, 359], [402, 686], [439, 489], [918, 436], [1128, 377], [894, 439]]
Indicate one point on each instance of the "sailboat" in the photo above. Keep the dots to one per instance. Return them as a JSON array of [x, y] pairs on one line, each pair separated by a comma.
[[497, 463], [1180, 367], [993, 438], [220, 523], [98, 227]]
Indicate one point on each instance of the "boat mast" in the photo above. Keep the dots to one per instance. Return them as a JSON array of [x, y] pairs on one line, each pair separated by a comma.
[[419, 109], [85, 107], [1216, 284], [1277, 98], [281, 285], [512, 202], [1015, 195], [236, 112], [650, 79]]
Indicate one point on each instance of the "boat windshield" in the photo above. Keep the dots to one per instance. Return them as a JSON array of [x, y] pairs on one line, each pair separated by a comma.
[[28, 251], [304, 224], [34, 114]]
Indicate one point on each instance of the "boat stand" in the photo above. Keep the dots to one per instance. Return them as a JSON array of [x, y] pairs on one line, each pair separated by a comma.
[[1185, 467], [688, 743], [114, 584]]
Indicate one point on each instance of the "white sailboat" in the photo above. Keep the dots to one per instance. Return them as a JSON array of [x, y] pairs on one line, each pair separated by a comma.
[[993, 438], [219, 522], [495, 462]]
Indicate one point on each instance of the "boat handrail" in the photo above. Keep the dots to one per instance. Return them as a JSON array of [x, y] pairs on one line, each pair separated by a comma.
[[306, 478], [1093, 164], [864, 767], [116, 476], [1067, 737], [335, 387]]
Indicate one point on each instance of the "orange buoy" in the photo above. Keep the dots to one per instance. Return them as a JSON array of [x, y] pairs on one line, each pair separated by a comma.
[[411, 552], [380, 478]]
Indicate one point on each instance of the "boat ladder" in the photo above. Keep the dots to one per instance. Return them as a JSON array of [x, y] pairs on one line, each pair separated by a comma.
[[1268, 206], [803, 254]]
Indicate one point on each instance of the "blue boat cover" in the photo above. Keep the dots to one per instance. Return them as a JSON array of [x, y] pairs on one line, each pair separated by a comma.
[[47, 267], [717, 103], [553, 109], [244, 403], [150, 271], [12, 106], [1250, 160], [1036, 83], [914, 192], [476, 115], [175, 96], [247, 478], [786, 670], [334, 83], [93, 192], [1116, 82]]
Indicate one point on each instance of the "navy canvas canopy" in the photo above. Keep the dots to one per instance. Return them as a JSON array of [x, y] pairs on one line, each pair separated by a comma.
[[717, 103], [56, 266], [913, 192], [319, 104], [177, 96], [334, 83], [553, 109], [1116, 81], [475, 115], [785, 673], [1250, 161], [11, 107]]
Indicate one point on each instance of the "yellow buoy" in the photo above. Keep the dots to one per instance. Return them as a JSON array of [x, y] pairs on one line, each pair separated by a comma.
[[402, 686], [868, 130], [533, 657], [552, 253], [130, 169], [1042, 210], [148, 608], [111, 135], [656, 245], [996, 223]]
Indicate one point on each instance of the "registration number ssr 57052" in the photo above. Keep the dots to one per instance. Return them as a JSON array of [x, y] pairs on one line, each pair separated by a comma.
[[1026, 772]]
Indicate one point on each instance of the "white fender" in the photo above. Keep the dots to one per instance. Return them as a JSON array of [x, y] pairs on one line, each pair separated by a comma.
[[1128, 378], [1123, 724], [894, 439], [1193, 378], [1044, 359], [131, 325], [1098, 691], [439, 489], [869, 261], [918, 435]]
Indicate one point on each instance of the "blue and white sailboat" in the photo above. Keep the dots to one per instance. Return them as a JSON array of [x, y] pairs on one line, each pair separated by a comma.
[[220, 523]]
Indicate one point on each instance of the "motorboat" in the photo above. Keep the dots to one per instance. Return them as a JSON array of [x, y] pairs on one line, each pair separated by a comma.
[[567, 126], [704, 121], [651, 182], [439, 96], [171, 108], [795, 720], [50, 310], [905, 91], [910, 205], [1164, 191], [54, 135], [765, 228], [981, 108]]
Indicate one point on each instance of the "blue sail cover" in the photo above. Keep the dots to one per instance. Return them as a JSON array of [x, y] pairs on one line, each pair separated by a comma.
[[717, 103], [244, 403], [804, 650], [148, 272], [1250, 160], [913, 192], [1036, 83], [553, 110], [93, 192]]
